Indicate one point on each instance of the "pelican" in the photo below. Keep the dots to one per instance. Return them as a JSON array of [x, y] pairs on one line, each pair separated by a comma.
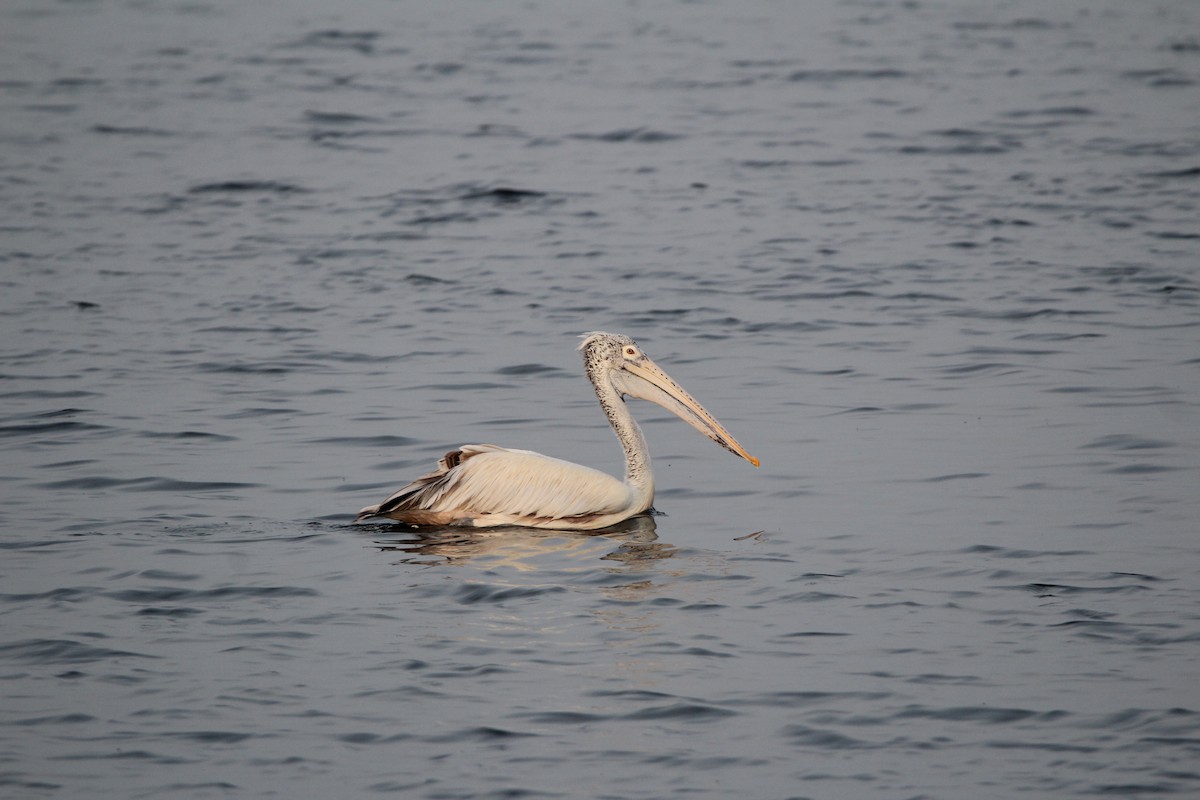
[[483, 486]]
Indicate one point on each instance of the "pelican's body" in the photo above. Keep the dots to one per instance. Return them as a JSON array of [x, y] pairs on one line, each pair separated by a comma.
[[482, 485]]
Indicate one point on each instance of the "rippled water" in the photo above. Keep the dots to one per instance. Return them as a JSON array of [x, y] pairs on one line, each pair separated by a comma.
[[934, 263]]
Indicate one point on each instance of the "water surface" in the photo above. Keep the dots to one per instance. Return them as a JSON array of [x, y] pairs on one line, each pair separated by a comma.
[[933, 263]]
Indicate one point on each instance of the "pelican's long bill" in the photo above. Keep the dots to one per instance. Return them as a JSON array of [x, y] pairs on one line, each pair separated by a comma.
[[646, 380]]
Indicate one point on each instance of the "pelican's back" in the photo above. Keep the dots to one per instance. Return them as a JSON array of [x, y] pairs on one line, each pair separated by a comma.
[[486, 485]]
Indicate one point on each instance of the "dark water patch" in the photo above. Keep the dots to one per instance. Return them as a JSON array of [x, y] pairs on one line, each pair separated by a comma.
[[337, 118], [443, 219], [211, 737], [1129, 273], [819, 372], [1139, 635], [936, 679], [46, 394], [472, 593], [1008, 552], [420, 279], [1084, 613], [128, 755], [346, 357], [962, 142], [361, 42], [696, 652], [809, 699], [843, 75], [50, 428], [381, 442], [372, 738], [341, 253], [1091, 625], [805, 736], [1019, 24], [61, 412], [793, 327], [955, 476], [1057, 111], [704, 608], [1020, 314], [187, 435], [498, 130], [61, 651], [991, 368], [14, 780], [170, 594], [1187, 172], [843, 294], [813, 597], [1140, 576], [564, 717], [254, 413], [1058, 589], [1046, 747], [132, 130], [57, 719], [202, 789], [1160, 78], [148, 484], [1134, 790], [1141, 469], [688, 712], [979, 714], [1138, 718], [767, 163], [682, 492], [924, 296], [1172, 235], [528, 369], [267, 329], [636, 135], [1185, 44], [482, 734], [272, 634], [32, 544], [62, 595], [1127, 441], [247, 186], [632, 694], [260, 368], [503, 194], [500, 422], [450, 388], [861, 410], [169, 613], [1058, 337], [1000, 351]]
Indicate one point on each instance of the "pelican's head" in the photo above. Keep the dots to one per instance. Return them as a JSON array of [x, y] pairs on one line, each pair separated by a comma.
[[617, 360]]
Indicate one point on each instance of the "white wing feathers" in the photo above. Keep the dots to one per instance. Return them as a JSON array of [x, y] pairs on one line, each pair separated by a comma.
[[486, 484]]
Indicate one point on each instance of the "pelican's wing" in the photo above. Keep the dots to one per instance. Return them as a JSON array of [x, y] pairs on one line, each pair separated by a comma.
[[482, 484]]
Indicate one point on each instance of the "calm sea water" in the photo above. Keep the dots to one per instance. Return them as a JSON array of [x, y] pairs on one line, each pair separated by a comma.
[[934, 263]]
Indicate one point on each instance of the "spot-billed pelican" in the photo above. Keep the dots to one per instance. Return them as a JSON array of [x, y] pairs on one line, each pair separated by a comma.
[[482, 485]]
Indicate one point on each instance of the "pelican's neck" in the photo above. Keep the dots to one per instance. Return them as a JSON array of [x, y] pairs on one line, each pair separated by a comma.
[[638, 475]]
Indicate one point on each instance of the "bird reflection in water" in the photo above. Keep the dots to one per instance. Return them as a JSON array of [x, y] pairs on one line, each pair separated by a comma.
[[528, 549]]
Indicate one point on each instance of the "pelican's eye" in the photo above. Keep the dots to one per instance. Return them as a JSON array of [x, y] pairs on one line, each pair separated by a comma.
[[630, 351]]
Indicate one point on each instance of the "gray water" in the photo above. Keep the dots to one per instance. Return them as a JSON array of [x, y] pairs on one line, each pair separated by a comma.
[[934, 263]]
